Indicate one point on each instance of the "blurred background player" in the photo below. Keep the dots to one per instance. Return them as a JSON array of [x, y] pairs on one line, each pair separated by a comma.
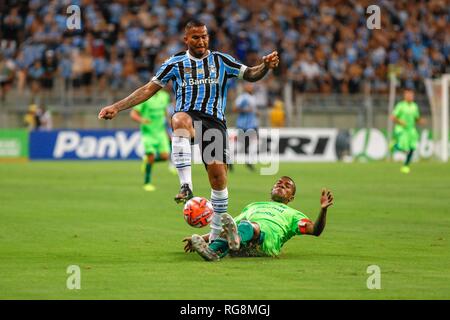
[[45, 118], [151, 115], [31, 119], [200, 84], [277, 115], [405, 116], [262, 228], [247, 120]]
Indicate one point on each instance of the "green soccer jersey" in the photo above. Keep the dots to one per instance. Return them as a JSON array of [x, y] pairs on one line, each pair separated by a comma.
[[406, 137], [407, 112], [154, 109], [277, 221]]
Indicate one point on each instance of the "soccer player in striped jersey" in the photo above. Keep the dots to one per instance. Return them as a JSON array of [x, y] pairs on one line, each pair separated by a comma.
[[200, 80]]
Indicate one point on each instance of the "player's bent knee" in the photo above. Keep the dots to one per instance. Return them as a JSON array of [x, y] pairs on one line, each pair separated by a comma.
[[217, 175], [150, 158], [164, 156], [256, 231], [218, 181], [181, 121]]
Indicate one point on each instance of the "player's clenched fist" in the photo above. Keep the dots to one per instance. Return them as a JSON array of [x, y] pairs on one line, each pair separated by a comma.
[[272, 60], [108, 112]]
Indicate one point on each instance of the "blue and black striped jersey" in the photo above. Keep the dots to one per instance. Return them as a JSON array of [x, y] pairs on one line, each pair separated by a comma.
[[200, 84]]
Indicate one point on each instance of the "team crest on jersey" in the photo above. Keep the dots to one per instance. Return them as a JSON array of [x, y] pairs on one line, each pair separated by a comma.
[[212, 71], [187, 70]]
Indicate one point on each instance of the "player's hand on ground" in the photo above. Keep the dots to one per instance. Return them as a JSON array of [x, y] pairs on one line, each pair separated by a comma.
[[271, 60], [108, 112], [188, 245], [326, 199], [145, 121]]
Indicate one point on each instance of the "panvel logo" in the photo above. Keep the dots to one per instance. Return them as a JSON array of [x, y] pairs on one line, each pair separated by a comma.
[[118, 145], [196, 82]]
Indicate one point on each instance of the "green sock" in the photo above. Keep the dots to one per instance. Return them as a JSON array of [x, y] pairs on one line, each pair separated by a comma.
[[409, 157], [220, 246], [148, 173], [245, 231]]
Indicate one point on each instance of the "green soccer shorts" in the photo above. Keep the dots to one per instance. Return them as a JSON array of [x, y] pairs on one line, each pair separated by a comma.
[[156, 143], [406, 139]]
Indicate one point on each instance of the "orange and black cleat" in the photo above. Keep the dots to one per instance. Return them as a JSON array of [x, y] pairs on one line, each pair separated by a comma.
[[184, 195]]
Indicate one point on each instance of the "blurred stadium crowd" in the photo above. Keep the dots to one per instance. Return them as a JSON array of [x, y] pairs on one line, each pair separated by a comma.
[[325, 46]]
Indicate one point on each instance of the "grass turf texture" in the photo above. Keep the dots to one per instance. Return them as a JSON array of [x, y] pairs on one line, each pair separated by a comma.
[[127, 242]]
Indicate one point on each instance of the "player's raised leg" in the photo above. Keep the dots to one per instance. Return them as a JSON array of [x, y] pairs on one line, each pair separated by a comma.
[[183, 131], [231, 232], [217, 174]]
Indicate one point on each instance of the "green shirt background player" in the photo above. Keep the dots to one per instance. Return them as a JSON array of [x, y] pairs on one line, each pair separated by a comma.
[[405, 116], [262, 228], [152, 117]]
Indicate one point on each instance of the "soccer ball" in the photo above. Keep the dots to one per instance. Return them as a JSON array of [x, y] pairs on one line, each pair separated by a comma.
[[198, 212]]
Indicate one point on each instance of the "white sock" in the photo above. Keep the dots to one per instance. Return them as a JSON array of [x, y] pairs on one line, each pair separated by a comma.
[[181, 159], [219, 201]]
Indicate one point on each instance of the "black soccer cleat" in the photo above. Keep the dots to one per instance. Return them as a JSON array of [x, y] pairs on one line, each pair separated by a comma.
[[184, 195]]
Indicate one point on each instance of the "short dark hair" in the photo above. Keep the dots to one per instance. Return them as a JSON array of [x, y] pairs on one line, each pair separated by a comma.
[[193, 24], [293, 182]]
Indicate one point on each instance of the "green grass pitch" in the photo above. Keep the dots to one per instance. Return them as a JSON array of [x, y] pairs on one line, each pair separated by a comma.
[[127, 242]]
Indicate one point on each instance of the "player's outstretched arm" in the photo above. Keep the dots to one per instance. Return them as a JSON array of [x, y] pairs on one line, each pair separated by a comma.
[[256, 73], [326, 200], [140, 95]]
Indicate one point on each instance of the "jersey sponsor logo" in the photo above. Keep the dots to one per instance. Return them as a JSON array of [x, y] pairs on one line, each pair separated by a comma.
[[196, 82]]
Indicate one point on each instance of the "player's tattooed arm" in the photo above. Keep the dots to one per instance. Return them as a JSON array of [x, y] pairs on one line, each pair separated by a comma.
[[140, 95], [326, 200], [256, 73]]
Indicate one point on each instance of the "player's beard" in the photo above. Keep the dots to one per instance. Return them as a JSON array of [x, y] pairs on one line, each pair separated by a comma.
[[200, 52], [277, 198]]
